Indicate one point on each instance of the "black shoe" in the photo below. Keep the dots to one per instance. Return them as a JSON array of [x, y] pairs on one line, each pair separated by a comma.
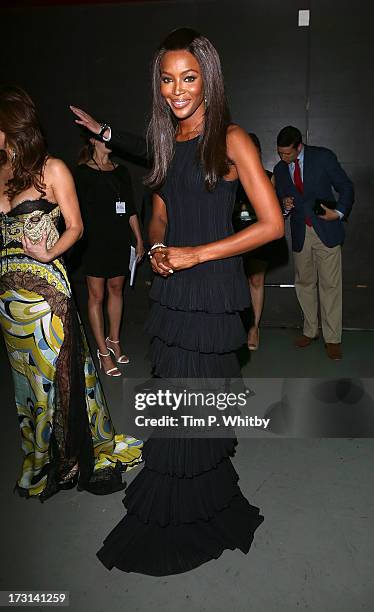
[[105, 481], [66, 485]]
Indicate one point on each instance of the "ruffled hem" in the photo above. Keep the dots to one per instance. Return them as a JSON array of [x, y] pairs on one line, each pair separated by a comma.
[[186, 457], [161, 551], [196, 331], [162, 499], [124, 449], [175, 362], [214, 293]]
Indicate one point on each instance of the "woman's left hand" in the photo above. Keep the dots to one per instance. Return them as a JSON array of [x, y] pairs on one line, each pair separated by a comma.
[[139, 250], [180, 258], [37, 251]]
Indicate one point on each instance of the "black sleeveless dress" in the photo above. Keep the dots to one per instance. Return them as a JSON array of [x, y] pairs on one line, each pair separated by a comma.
[[106, 242], [185, 507]]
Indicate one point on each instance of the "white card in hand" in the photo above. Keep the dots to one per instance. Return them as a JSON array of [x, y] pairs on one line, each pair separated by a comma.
[[132, 265]]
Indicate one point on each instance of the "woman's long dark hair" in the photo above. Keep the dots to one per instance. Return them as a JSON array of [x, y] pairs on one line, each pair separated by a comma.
[[86, 153], [162, 128], [24, 138]]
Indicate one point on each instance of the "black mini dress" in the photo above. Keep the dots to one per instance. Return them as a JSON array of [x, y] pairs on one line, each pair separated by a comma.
[[107, 234]]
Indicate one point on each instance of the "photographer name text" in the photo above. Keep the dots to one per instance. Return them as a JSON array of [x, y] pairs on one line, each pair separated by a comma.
[[186, 420]]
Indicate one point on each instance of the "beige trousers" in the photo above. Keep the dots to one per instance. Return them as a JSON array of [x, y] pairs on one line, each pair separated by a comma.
[[318, 269]]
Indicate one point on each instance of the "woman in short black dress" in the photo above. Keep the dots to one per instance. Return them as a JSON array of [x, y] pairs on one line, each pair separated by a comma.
[[107, 204], [257, 261]]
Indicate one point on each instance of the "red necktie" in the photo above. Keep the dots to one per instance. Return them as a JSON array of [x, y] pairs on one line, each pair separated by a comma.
[[300, 186], [297, 177]]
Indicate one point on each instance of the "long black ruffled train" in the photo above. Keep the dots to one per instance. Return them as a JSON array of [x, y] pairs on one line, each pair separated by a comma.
[[185, 507]]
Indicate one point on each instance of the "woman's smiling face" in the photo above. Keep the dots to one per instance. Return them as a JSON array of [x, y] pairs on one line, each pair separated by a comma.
[[181, 83]]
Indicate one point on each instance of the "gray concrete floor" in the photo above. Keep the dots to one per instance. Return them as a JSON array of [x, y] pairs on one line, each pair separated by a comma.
[[313, 552]]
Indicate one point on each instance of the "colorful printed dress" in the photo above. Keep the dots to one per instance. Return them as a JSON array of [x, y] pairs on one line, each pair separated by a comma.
[[67, 433]]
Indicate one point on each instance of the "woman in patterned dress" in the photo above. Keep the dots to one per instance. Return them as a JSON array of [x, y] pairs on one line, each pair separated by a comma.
[[67, 434]]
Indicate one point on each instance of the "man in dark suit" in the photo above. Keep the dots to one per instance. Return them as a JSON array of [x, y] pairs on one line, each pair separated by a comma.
[[306, 174]]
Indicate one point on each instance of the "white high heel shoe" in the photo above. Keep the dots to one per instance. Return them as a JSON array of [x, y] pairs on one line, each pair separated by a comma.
[[112, 371], [123, 359], [254, 346]]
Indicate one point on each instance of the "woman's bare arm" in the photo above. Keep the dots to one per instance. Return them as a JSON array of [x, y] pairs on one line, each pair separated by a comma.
[[135, 226], [156, 233], [159, 220], [260, 192], [60, 183]]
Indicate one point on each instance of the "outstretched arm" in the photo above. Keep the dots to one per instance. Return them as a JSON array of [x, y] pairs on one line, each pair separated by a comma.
[[123, 142]]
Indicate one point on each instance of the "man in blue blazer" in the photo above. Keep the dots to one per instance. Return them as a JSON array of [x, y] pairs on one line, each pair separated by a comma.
[[305, 175]]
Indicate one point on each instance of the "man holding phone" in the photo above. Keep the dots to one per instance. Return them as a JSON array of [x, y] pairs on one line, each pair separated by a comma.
[[304, 179]]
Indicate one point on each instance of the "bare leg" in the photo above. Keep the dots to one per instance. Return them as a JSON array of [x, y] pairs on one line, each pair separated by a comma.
[[115, 308], [96, 292], [256, 282]]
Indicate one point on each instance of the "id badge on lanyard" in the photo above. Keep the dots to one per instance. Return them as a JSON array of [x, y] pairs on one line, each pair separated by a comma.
[[120, 208]]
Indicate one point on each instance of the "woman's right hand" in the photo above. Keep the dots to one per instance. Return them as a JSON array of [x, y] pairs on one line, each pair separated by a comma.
[[37, 251], [86, 120], [158, 266]]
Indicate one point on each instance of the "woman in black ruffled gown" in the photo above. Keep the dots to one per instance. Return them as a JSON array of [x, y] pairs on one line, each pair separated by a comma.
[[185, 506]]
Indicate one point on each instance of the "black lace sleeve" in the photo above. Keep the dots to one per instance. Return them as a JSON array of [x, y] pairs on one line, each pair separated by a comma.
[[129, 144]]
